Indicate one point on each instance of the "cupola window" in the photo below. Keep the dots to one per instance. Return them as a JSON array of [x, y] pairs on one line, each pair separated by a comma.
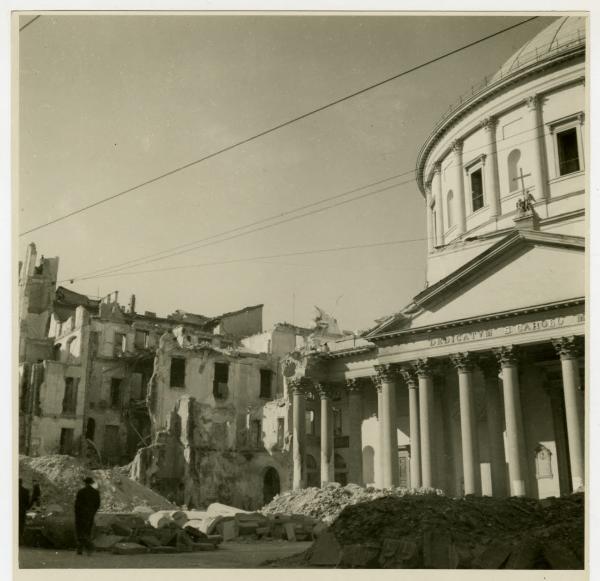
[[477, 189], [568, 152]]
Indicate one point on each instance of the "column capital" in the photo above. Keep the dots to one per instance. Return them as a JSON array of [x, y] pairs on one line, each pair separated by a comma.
[[507, 356], [457, 146], [324, 389], [532, 102], [489, 123], [355, 385], [567, 347], [423, 367], [297, 385], [462, 361], [385, 373], [409, 376]]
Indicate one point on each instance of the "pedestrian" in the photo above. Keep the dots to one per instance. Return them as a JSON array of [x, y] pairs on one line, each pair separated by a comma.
[[87, 503], [23, 507], [36, 495]]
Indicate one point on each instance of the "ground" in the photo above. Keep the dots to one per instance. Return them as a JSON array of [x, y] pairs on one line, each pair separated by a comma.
[[230, 555]]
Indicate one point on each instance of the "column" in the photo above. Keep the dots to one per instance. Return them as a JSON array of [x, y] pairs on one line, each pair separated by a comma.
[[492, 189], [538, 176], [324, 392], [439, 204], [568, 350], [355, 416], [415, 438], [299, 433], [425, 375], [507, 357], [468, 423], [493, 408], [459, 189], [431, 240], [386, 376], [379, 454]]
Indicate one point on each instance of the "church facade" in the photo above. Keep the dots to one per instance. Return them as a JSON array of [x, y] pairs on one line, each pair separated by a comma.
[[477, 385]]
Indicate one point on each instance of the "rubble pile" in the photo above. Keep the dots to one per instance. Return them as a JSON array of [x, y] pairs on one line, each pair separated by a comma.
[[432, 531], [325, 504], [61, 476]]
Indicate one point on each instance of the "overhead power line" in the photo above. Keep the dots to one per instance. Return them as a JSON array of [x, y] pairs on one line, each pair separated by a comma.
[[254, 258], [277, 127], [217, 238]]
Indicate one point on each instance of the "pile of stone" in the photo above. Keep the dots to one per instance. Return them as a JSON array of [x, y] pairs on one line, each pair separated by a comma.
[[61, 476], [433, 531], [325, 504]]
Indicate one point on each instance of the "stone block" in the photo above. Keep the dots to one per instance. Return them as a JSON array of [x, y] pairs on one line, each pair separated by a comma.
[[105, 542], [229, 530], [326, 551], [150, 541], [399, 554], [290, 531], [129, 549], [363, 556], [120, 529]]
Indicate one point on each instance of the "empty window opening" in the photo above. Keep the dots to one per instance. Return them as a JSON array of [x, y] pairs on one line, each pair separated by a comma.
[[256, 433], [514, 157], [120, 344], [340, 469], [280, 432], [69, 404], [220, 388], [266, 380], [141, 339], [568, 151], [337, 422], [115, 392], [66, 441], [477, 189], [309, 416], [90, 429], [177, 378]]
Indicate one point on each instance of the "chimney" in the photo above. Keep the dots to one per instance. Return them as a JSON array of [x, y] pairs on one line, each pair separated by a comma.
[[132, 304]]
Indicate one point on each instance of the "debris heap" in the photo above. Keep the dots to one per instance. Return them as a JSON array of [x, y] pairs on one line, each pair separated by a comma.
[[436, 532], [325, 504]]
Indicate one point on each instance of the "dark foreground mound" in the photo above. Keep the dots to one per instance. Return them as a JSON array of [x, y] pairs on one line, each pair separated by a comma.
[[416, 532]]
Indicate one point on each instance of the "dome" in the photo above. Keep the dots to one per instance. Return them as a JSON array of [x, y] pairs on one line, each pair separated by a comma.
[[563, 33]]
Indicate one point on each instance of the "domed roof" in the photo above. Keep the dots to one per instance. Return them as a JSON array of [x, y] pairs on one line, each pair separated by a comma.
[[562, 33]]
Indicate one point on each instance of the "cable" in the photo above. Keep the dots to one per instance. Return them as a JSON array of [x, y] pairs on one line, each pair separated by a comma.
[[254, 258], [141, 261], [30, 22], [276, 127], [250, 224]]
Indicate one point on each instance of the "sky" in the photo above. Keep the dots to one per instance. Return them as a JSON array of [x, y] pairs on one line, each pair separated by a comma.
[[109, 102]]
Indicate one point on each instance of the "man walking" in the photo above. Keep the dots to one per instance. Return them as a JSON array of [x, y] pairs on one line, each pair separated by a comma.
[[87, 503]]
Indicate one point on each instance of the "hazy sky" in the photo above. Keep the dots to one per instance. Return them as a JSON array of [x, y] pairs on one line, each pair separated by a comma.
[[107, 102]]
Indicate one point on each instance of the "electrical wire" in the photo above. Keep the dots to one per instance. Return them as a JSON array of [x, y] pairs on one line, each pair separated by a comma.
[[277, 127]]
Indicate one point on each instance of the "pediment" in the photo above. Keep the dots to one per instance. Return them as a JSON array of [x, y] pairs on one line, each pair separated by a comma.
[[519, 272]]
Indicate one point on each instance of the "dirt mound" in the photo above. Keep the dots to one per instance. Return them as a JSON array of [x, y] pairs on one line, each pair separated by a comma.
[[61, 476], [437, 532], [327, 503]]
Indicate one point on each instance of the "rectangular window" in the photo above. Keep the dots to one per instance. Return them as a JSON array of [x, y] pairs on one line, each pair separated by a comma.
[[119, 344], [115, 393], [568, 151], [280, 432], [256, 433], [477, 189], [337, 422], [177, 372], [66, 441], [220, 389], [141, 339], [69, 404], [309, 416], [266, 380]]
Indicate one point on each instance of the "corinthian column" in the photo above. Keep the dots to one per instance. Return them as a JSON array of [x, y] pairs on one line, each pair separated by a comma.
[[299, 433], [491, 166], [386, 376], [355, 414], [415, 438], [439, 205], [568, 350], [468, 424], [425, 375], [507, 357], [537, 135], [324, 392], [459, 188]]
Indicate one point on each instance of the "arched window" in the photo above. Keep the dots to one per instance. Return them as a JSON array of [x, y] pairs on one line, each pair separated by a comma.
[[449, 207], [514, 157]]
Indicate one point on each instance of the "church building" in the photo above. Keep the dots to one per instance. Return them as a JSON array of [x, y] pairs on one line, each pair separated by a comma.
[[477, 385]]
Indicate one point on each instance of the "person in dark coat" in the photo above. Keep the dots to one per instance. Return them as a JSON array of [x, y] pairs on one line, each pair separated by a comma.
[[36, 495], [23, 507], [87, 503]]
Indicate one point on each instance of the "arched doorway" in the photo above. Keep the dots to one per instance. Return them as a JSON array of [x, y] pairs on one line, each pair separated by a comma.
[[271, 486]]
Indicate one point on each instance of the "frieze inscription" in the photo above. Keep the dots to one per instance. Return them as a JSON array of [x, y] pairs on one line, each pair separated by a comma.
[[506, 330]]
